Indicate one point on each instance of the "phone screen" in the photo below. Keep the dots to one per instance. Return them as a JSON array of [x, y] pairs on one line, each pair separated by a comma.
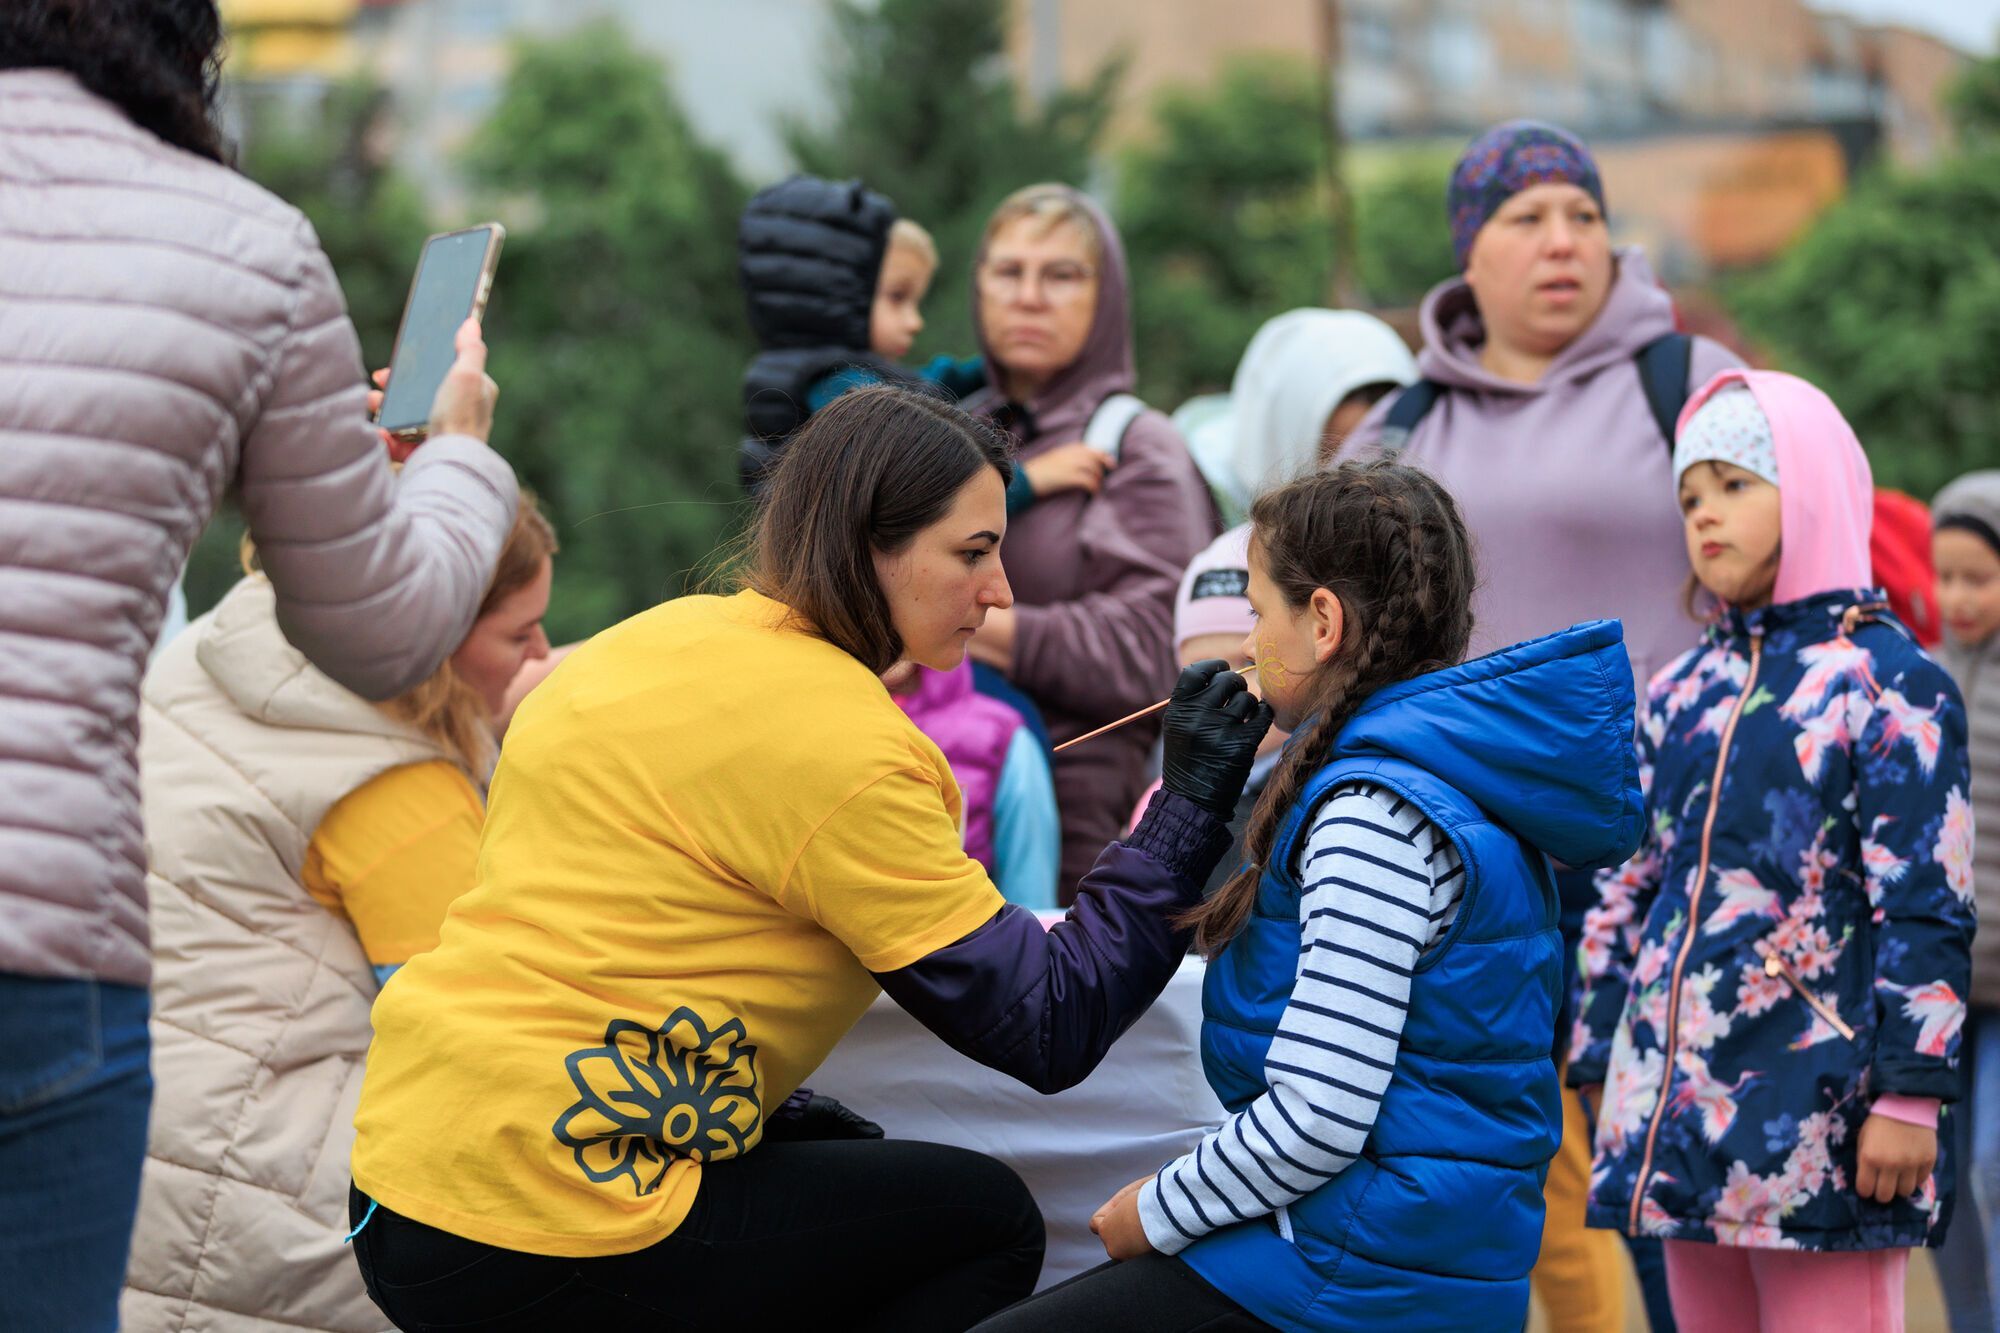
[[441, 298]]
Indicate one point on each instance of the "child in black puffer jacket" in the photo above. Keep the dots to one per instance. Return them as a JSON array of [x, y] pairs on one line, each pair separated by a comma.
[[834, 281]]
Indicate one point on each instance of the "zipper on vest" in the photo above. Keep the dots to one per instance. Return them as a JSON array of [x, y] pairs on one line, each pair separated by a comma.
[[1689, 930], [1775, 966]]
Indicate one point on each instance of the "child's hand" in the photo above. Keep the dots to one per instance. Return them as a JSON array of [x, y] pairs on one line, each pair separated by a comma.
[[1117, 1223], [1068, 467], [1894, 1158]]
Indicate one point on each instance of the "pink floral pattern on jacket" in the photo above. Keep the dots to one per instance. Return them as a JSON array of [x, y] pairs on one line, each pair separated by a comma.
[[1792, 939]]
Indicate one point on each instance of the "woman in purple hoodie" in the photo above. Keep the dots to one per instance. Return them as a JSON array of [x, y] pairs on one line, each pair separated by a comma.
[[1094, 575], [1552, 377]]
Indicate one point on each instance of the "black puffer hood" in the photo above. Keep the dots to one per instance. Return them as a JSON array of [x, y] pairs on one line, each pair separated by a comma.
[[809, 252]]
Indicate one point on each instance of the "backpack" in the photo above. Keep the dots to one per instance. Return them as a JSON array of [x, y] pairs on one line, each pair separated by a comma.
[[1663, 371], [1108, 424]]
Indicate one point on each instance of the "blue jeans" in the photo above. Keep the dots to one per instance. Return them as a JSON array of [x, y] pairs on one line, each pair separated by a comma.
[[74, 1089], [1966, 1262]]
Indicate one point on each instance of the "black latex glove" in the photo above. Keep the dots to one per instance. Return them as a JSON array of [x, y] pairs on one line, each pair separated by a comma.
[[1213, 728], [815, 1117]]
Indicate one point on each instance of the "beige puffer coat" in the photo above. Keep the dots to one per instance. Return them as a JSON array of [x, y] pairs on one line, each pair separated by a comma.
[[260, 994], [168, 330]]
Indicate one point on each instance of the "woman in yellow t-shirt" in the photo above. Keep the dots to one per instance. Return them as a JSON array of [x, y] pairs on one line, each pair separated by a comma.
[[302, 843], [712, 837]]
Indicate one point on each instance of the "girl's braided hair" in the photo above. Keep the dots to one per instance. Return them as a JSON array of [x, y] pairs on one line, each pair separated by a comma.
[[1387, 541]]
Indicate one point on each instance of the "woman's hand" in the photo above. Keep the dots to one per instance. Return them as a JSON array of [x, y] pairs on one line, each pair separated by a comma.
[[399, 450], [1068, 467], [1117, 1223], [1213, 728], [1894, 1158], [464, 402]]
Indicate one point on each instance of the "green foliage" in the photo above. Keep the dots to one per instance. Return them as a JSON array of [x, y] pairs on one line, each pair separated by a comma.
[[616, 325], [372, 225], [1974, 101], [1403, 242], [1226, 219], [1891, 303], [926, 112]]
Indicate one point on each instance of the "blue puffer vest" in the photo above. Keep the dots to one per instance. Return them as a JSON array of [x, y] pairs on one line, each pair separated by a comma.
[[1525, 752]]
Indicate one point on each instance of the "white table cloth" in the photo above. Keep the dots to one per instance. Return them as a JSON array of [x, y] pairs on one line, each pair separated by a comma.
[[1146, 1104]]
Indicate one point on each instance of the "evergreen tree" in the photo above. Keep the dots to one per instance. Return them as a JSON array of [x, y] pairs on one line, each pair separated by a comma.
[[616, 326], [371, 223], [1891, 303], [927, 113], [1226, 217]]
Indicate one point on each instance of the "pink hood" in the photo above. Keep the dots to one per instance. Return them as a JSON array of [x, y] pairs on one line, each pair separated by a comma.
[[1826, 493]]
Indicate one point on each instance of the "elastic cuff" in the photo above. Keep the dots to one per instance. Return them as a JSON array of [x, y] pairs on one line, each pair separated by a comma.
[[1181, 836], [1020, 491], [1921, 1111], [1161, 1233]]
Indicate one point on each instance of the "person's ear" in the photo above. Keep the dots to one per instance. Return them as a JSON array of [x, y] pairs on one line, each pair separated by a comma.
[[1328, 620]]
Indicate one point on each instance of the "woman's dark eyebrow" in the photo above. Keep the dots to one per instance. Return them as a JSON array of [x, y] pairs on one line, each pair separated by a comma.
[[983, 534]]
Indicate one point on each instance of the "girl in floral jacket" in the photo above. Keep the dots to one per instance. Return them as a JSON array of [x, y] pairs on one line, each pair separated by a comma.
[[1775, 981]]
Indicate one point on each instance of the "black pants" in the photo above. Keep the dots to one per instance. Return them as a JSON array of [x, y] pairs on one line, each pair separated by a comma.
[[1150, 1294], [857, 1234]]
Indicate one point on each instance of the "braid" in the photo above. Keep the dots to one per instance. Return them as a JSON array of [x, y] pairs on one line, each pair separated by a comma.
[[1388, 542]]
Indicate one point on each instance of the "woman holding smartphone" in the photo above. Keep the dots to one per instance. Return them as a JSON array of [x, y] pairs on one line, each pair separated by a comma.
[[711, 839], [170, 332]]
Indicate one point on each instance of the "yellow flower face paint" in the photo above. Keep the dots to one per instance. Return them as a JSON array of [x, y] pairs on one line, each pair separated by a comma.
[[1271, 672]]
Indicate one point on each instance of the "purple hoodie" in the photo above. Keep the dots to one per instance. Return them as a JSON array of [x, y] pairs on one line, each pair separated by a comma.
[[1564, 483], [1094, 578]]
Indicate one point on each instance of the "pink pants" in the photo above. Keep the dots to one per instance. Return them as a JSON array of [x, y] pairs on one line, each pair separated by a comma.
[[1722, 1287]]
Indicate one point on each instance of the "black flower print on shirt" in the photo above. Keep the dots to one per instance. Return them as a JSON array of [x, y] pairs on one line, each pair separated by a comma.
[[647, 1096]]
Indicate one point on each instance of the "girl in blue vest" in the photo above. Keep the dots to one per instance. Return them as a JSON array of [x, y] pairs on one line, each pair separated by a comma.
[[1384, 968], [1777, 979]]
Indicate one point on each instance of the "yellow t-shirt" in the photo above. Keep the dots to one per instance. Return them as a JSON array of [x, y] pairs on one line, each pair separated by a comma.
[[706, 830], [392, 854]]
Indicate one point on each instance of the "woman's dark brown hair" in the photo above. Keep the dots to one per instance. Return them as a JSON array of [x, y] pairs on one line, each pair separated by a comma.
[[867, 473], [1389, 543], [159, 61]]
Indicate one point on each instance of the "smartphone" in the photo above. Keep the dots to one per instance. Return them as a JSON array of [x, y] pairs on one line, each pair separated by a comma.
[[454, 277]]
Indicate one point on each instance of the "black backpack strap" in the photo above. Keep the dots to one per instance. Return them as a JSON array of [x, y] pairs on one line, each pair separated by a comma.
[[1410, 407], [1663, 372]]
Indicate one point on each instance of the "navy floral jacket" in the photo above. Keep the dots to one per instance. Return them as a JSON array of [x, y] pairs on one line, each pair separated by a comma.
[[1791, 940]]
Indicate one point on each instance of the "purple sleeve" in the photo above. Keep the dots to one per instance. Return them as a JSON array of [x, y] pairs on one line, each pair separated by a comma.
[[1043, 1006]]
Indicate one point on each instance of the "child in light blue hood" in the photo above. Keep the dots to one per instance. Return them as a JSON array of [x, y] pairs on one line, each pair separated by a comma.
[[1385, 966]]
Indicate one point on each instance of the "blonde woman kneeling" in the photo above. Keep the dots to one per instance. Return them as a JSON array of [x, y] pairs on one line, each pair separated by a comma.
[[303, 843]]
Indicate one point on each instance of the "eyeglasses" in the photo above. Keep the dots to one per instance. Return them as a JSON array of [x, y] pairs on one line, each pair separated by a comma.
[[1060, 283]]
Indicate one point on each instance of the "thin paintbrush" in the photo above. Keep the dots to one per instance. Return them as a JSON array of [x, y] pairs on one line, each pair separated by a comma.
[[1131, 717]]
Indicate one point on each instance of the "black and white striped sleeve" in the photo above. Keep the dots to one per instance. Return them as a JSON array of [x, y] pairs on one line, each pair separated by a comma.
[[1381, 884]]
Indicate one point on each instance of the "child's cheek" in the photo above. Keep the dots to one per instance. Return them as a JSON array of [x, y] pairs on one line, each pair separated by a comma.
[[1275, 683]]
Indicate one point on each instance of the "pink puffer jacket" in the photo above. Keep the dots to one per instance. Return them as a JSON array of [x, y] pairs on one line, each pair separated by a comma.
[[168, 330]]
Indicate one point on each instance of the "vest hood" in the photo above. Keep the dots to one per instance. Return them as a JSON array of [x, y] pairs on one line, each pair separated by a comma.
[[248, 657], [1539, 735]]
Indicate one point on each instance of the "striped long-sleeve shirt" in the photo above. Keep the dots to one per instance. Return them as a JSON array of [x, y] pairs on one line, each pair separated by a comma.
[[1382, 885]]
